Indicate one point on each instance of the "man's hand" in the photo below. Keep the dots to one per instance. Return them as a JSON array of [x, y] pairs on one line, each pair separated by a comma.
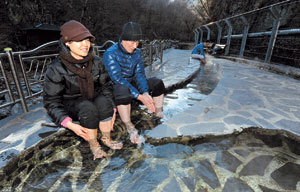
[[147, 100], [78, 130]]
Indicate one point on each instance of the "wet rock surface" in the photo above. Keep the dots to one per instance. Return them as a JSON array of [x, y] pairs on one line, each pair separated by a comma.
[[245, 96], [63, 162], [287, 176]]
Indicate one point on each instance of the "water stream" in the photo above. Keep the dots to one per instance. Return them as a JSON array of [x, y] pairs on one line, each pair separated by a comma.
[[253, 160]]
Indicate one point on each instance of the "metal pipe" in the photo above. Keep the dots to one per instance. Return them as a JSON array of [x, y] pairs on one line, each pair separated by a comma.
[[197, 39], [35, 49], [150, 54], [208, 32], [99, 48], [6, 82], [161, 53], [19, 100], [250, 12], [44, 66], [260, 9], [276, 14], [24, 75], [228, 36], [8, 104], [219, 32], [266, 33], [39, 56], [201, 36], [16, 78], [245, 34], [4, 91]]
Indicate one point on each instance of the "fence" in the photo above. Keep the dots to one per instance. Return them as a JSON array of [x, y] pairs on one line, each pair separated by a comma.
[[152, 51], [22, 72], [23, 79], [265, 34]]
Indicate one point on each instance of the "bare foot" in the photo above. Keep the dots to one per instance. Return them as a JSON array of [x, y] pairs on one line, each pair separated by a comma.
[[106, 140], [133, 134], [159, 113], [96, 149]]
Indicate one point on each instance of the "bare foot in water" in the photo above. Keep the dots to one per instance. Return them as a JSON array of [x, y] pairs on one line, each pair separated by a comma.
[[106, 140], [133, 133], [96, 149]]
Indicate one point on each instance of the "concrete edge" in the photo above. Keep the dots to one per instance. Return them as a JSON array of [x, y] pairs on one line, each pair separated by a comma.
[[281, 69]]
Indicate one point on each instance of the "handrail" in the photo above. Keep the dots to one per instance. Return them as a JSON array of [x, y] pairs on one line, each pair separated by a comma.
[[272, 40], [105, 43], [36, 49], [255, 10]]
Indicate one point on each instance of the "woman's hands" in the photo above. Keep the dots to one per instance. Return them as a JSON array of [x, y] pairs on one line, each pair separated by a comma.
[[78, 130]]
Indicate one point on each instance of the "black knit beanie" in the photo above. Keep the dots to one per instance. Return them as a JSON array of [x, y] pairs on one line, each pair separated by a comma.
[[131, 32]]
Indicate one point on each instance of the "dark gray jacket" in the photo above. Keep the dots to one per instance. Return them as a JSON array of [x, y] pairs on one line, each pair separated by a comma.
[[62, 84]]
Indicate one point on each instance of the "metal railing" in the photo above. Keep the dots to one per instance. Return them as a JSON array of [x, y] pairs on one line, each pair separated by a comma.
[[22, 72], [99, 49], [152, 51], [262, 34]]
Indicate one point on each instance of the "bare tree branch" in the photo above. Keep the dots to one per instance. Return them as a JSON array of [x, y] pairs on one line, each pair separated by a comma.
[[84, 8]]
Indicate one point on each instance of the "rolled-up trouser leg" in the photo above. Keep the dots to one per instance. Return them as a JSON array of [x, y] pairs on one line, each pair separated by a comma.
[[122, 94], [104, 106], [84, 111], [156, 86], [197, 56]]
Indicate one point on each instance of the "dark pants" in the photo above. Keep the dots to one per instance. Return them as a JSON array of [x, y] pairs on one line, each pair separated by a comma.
[[89, 113], [123, 96]]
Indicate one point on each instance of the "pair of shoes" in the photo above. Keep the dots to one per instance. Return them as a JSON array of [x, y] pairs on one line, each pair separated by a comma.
[[106, 140], [96, 149], [133, 133]]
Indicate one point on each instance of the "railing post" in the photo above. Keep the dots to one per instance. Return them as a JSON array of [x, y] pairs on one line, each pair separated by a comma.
[[150, 53], [24, 76], [219, 32], [208, 32], [228, 36], [245, 35], [201, 36], [12, 99], [196, 36], [276, 24], [16, 78], [161, 52]]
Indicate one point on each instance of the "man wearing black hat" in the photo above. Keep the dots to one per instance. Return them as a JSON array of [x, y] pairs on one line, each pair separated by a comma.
[[125, 66]]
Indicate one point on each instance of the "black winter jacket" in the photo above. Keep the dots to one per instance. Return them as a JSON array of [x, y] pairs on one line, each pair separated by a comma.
[[62, 84]]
